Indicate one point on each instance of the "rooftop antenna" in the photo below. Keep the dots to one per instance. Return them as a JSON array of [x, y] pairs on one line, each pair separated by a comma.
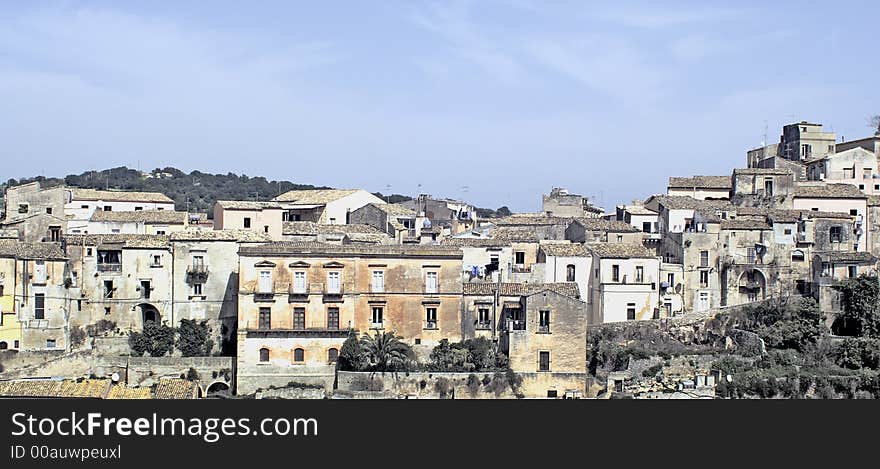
[[388, 193]]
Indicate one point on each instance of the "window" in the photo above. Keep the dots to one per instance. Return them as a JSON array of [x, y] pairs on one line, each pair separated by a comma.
[[160, 232], [332, 355], [750, 255], [265, 318], [431, 282], [137, 209], [22, 208], [88, 251], [39, 272], [157, 259], [39, 306], [519, 257], [264, 355], [145, 289], [853, 212], [247, 222], [797, 256], [299, 319], [806, 150], [861, 188], [299, 355], [333, 318], [483, 317], [853, 271], [834, 234], [376, 319], [49, 210], [704, 279], [50, 343], [630, 311], [670, 279], [640, 274], [866, 173], [107, 311], [332, 221], [615, 273], [569, 273], [431, 318], [378, 285], [704, 258], [333, 285], [265, 281], [619, 238], [646, 227], [543, 361], [108, 208], [543, 321], [768, 186], [265, 228], [299, 282], [54, 233], [877, 187], [787, 231], [108, 288], [197, 289]]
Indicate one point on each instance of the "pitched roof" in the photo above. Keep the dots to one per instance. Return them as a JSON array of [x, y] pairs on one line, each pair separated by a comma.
[[396, 210], [621, 250], [874, 200], [247, 205], [744, 224], [149, 217], [639, 210], [515, 234], [84, 388], [135, 241], [565, 250], [204, 234], [314, 196], [174, 388], [683, 202], [315, 249], [611, 226], [30, 250], [700, 182], [312, 228], [120, 196], [475, 242], [532, 219], [569, 289], [829, 191], [121, 391]]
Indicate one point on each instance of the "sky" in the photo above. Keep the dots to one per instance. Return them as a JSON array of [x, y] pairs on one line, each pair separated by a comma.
[[493, 101]]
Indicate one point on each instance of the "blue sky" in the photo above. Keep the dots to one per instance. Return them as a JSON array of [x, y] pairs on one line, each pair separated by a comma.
[[494, 101]]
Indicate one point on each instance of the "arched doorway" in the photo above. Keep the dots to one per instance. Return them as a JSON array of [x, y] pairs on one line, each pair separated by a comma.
[[752, 286], [150, 313], [4, 345], [218, 389]]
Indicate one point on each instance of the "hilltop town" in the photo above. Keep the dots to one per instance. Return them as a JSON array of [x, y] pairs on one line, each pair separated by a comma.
[[756, 283]]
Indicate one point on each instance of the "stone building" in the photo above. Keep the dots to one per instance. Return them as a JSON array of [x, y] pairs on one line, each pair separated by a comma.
[[397, 221], [837, 198], [327, 206], [625, 284], [450, 216], [155, 222], [307, 231], [205, 279], [830, 268], [298, 301], [34, 297], [762, 186], [856, 166], [126, 279], [561, 203], [700, 187], [259, 217], [804, 141], [567, 262]]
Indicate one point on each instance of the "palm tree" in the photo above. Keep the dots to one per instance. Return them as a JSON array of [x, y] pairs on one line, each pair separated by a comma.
[[385, 351]]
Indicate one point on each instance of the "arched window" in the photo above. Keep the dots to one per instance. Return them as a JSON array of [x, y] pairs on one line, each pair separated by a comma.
[[4, 346], [299, 355], [332, 355], [797, 256], [569, 273], [264, 354]]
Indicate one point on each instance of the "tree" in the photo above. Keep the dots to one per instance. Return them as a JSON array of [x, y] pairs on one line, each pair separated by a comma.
[[351, 356], [156, 340], [386, 352], [858, 299], [193, 338], [874, 123]]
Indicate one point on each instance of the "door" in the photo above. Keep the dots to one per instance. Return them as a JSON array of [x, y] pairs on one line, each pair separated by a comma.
[[265, 281], [703, 302]]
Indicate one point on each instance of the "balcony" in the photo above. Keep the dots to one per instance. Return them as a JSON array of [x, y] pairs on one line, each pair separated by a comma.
[[432, 325], [333, 294], [516, 325], [483, 326], [286, 333], [196, 274], [264, 297], [297, 294], [377, 325], [544, 328], [108, 267]]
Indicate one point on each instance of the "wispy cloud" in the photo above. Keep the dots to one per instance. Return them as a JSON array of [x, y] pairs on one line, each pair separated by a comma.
[[453, 23], [664, 16]]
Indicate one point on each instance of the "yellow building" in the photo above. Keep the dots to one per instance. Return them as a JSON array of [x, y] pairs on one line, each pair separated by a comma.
[[298, 301]]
